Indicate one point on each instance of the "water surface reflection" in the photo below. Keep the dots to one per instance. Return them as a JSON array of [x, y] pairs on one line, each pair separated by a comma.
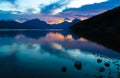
[[42, 54]]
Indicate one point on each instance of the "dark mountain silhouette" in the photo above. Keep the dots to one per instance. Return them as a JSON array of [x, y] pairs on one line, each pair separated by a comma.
[[35, 24], [103, 28], [76, 21], [30, 24], [9, 25], [65, 24]]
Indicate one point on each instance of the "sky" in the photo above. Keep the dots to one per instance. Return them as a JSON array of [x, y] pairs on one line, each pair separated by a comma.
[[53, 11]]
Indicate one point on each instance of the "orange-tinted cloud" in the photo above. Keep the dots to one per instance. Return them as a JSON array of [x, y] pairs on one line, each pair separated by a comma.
[[83, 18], [55, 21]]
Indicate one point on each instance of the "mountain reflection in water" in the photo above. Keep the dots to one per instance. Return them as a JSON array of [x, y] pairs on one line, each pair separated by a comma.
[[42, 54]]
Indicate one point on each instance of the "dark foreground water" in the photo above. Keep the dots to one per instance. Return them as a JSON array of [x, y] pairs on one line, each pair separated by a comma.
[[54, 54]]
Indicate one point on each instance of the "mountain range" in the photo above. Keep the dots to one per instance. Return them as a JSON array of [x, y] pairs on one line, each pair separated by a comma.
[[36, 24], [103, 28]]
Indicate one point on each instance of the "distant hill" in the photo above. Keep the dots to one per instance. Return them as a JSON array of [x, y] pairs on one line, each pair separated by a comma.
[[35, 24], [9, 25], [65, 24], [30, 24], [103, 28]]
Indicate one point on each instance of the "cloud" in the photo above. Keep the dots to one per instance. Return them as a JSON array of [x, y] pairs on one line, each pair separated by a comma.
[[79, 3], [60, 6], [57, 36], [30, 57], [53, 11], [90, 10], [66, 19], [7, 6], [35, 6]]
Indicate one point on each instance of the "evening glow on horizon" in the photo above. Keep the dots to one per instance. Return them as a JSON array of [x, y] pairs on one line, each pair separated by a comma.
[[53, 11]]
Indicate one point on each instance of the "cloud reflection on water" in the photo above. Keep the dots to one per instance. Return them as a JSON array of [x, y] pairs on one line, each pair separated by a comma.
[[55, 50]]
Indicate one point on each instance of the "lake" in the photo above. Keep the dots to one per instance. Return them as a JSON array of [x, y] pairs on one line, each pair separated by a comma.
[[54, 53]]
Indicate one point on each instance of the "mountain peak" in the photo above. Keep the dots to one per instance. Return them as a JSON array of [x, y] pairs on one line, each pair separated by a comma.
[[76, 20], [37, 20]]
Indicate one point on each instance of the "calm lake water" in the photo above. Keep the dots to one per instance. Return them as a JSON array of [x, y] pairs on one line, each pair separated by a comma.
[[53, 54]]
